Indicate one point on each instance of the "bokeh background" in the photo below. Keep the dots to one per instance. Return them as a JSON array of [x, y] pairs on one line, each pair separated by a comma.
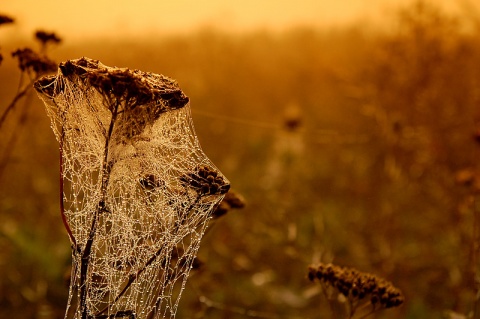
[[351, 128]]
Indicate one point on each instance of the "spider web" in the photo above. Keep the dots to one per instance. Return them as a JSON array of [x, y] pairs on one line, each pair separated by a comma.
[[137, 190]]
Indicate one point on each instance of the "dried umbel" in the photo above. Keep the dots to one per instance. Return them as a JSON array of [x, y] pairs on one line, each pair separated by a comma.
[[137, 190], [32, 62], [47, 37], [360, 289]]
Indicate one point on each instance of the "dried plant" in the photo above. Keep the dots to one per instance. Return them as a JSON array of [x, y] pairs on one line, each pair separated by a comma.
[[232, 200], [46, 38], [137, 190], [361, 291], [31, 62], [34, 66]]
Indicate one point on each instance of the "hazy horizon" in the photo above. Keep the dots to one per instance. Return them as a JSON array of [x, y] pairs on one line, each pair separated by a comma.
[[92, 19]]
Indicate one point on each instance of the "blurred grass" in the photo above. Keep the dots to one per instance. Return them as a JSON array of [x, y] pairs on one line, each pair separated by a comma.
[[367, 179]]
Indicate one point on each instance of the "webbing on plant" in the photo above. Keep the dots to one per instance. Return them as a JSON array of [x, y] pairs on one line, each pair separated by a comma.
[[137, 189]]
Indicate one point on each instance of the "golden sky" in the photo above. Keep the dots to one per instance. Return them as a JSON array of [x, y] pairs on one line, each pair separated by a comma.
[[89, 18]]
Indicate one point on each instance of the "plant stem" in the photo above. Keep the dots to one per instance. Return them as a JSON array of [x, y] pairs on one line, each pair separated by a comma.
[[62, 206], [17, 97], [475, 266], [85, 261]]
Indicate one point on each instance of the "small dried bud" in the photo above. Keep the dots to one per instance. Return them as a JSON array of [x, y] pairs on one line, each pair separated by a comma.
[[205, 189], [355, 291]]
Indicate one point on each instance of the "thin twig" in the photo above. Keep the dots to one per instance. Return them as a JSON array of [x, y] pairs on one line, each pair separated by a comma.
[[475, 270], [62, 206], [11, 142], [100, 207], [12, 104]]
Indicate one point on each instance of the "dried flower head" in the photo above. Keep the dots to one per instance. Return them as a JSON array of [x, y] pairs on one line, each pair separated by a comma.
[[206, 181], [30, 61], [130, 86], [4, 19], [358, 287], [47, 37], [232, 200]]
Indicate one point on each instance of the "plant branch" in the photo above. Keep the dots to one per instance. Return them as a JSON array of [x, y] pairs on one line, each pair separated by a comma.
[[100, 208], [62, 206], [14, 101], [475, 268]]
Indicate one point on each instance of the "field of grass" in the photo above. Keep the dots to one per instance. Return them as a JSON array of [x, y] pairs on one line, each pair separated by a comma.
[[352, 146]]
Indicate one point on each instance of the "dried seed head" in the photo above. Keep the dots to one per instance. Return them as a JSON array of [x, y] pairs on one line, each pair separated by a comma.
[[30, 61], [232, 200], [206, 181], [47, 37], [356, 285], [134, 87]]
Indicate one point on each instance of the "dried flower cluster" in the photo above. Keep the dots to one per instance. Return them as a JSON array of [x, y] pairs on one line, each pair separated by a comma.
[[47, 37], [4, 20], [232, 200], [356, 286], [30, 61], [132, 86], [206, 181]]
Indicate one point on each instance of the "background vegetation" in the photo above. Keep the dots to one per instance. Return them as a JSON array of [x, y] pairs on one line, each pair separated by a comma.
[[357, 146]]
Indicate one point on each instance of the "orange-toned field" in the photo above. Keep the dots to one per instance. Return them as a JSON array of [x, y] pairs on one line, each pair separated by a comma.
[[350, 146]]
